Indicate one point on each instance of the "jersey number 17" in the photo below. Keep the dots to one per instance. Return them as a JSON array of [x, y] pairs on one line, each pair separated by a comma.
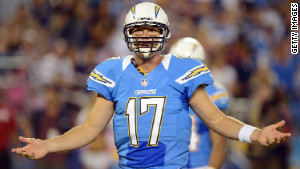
[[131, 112]]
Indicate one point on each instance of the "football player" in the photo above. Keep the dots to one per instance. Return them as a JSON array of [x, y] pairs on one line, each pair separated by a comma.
[[207, 148], [149, 95]]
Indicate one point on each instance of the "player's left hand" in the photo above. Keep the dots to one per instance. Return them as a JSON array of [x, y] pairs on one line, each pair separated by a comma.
[[270, 135]]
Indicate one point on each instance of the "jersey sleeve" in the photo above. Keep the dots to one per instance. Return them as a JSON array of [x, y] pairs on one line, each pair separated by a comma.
[[192, 73], [219, 95], [103, 78]]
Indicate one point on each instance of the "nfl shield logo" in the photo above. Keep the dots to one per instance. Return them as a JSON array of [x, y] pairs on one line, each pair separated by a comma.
[[144, 82]]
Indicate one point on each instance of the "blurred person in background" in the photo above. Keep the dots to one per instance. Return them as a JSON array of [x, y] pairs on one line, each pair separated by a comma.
[[102, 23], [47, 122], [56, 67], [269, 106], [239, 55], [223, 72], [76, 29], [207, 148], [17, 26], [8, 131], [54, 117], [101, 153], [3, 43]]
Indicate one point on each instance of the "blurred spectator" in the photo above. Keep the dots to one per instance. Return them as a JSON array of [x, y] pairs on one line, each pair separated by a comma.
[[20, 22], [56, 67], [102, 24], [3, 43], [32, 46], [84, 60], [285, 65], [294, 161], [240, 56], [221, 31], [275, 157], [101, 153], [8, 132], [41, 11], [96, 156], [268, 108], [8, 9], [223, 72], [76, 28], [17, 91], [49, 122]]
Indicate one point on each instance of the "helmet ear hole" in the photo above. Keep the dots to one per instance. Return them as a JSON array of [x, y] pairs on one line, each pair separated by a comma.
[[150, 15]]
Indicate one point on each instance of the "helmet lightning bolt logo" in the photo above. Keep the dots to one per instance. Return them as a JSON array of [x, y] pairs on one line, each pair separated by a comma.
[[156, 10], [133, 11]]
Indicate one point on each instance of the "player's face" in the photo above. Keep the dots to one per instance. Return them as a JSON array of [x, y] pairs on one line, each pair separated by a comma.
[[146, 34]]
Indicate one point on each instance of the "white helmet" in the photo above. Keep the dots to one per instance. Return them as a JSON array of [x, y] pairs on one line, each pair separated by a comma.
[[188, 47], [146, 14]]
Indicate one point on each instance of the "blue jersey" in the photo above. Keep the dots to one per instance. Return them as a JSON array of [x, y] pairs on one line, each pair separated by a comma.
[[201, 147], [152, 125]]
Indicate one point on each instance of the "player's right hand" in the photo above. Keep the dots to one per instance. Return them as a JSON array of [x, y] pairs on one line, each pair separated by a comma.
[[34, 149]]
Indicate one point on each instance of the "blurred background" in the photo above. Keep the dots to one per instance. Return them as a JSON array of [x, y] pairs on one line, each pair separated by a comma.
[[49, 47]]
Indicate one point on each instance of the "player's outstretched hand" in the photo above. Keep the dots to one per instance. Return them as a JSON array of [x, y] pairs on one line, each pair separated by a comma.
[[34, 149], [270, 135]]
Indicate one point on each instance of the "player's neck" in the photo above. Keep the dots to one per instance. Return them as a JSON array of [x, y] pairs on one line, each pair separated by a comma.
[[148, 64]]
